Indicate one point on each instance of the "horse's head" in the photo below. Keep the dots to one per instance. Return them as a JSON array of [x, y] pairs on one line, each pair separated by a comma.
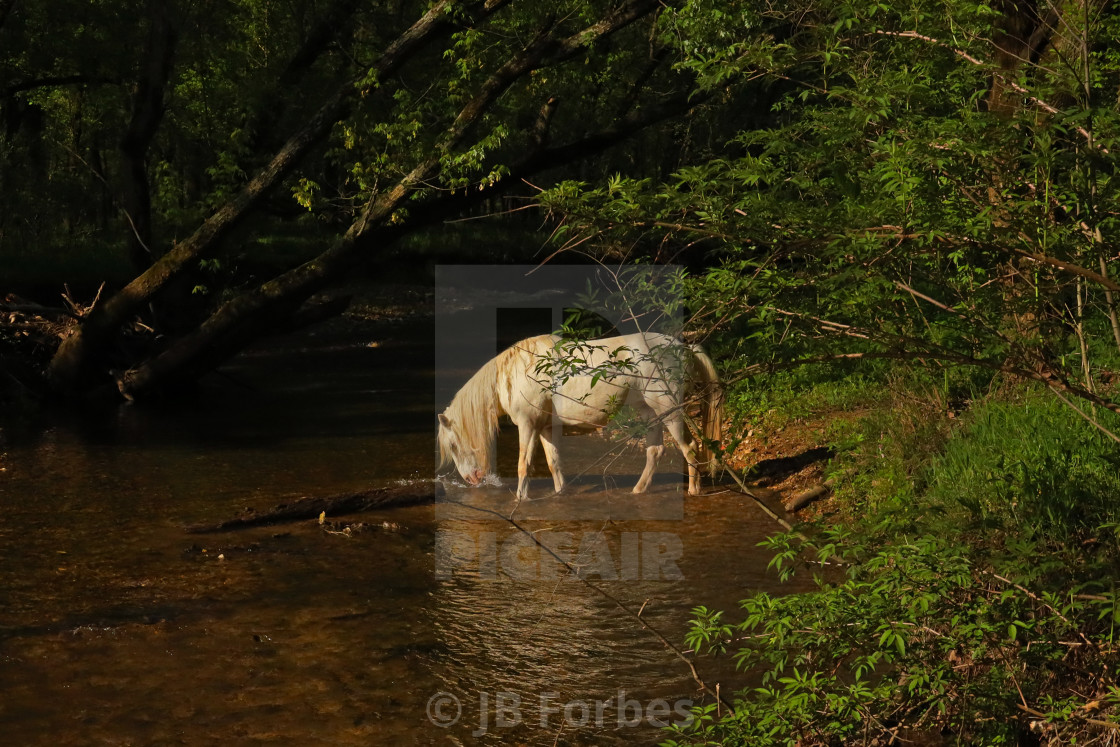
[[453, 449]]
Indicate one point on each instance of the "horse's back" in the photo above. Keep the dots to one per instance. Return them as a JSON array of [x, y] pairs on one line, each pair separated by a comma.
[[643, 370], [523, 380]]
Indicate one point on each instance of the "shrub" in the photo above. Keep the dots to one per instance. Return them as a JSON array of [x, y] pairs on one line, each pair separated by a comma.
[[979, 605]]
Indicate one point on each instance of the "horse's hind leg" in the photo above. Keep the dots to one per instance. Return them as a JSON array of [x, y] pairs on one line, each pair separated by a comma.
[[688, 449], [654, 449], [552, 456]]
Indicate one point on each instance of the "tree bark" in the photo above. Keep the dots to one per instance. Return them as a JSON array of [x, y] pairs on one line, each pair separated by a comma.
[[805, 497], [147, 113], [1020, 36]]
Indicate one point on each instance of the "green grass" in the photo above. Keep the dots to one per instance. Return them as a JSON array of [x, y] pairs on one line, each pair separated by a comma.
[[1032, 463]]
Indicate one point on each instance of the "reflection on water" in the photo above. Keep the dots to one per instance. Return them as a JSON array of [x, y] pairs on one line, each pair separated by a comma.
[[117, 627]]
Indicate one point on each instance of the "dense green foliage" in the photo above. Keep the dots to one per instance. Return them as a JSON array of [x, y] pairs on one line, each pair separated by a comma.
[[72, 73], [240, 78], [928, 184], [981, 608], [876, 203]]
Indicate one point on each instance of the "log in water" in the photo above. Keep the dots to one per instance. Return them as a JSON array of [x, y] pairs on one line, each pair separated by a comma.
[[312, 507]]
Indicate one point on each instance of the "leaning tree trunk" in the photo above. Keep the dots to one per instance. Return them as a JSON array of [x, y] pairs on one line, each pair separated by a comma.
[[74, 364], [238, 321]]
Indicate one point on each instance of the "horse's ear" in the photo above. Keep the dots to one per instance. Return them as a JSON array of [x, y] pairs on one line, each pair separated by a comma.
[[444, 420]]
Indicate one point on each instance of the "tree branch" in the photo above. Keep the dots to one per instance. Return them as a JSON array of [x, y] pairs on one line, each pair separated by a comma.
[[55, 81], [278, 95], [1028, 97], [1096, 277]]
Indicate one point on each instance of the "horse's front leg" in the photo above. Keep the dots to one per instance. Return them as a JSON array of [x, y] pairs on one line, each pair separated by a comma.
[[552, 456], [654, 450], [526, 437]]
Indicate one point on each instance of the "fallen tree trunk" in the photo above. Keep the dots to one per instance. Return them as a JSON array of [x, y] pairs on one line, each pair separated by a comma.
[[805, 497], [336, 505]]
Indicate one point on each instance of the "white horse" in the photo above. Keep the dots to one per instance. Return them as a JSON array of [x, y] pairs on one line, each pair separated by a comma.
[[582, 385]]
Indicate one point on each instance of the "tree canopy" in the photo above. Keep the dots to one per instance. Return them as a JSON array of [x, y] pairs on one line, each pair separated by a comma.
[[209, 124], [926, 181]]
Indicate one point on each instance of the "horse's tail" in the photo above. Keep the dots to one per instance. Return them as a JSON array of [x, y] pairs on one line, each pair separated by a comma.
[[711, 408]]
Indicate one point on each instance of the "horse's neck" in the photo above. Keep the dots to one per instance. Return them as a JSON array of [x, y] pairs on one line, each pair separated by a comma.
[[475, 409], [479, 400], [478, 390]]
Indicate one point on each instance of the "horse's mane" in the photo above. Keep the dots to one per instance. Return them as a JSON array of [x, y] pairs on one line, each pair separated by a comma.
[[475, 409]]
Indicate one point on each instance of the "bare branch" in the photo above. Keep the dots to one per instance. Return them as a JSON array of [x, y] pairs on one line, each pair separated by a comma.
[[55, 81], [1061, 264], [1028, 97]]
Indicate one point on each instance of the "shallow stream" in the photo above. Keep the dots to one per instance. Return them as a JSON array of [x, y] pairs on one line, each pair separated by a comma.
[[117, 627]]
